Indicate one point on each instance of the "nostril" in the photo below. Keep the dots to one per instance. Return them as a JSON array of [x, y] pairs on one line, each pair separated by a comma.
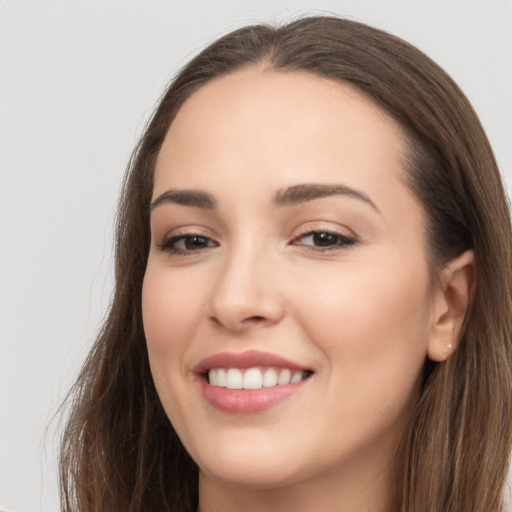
[[244, 323], [254, 319]]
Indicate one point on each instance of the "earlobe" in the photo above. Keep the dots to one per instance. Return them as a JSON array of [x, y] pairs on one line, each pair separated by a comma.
[[452, 303]]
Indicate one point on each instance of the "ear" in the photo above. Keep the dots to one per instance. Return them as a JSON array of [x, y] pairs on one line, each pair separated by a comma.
[[451, 305]]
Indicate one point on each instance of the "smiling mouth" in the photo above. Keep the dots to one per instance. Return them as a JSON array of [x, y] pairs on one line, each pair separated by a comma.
[[254, 378], [250, 382]]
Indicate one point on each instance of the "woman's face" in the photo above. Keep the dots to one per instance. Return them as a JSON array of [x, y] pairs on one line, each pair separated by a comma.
[[285, 245]]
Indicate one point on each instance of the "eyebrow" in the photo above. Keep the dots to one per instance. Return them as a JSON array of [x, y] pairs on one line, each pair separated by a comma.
[[194, 198], [310, 191], [286, 197]]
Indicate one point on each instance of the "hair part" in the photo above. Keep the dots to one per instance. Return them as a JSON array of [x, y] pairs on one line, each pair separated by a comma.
[[119, 450]]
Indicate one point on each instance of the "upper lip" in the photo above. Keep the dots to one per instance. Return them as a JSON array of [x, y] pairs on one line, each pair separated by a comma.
[[248, 359]]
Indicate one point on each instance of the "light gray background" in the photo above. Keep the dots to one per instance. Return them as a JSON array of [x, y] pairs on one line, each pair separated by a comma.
[[78, 79]]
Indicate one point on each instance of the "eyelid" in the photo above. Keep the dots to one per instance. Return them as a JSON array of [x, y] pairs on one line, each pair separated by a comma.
[[165, 232], [345, 240], [324, 226], [348, 239], [175, 238], [166, 242]]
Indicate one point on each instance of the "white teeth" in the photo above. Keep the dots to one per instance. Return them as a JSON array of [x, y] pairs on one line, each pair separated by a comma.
[[284, 377], [253, 378], [222, 380], [212, 378], [234, 378], [270, 378], [296, 377]]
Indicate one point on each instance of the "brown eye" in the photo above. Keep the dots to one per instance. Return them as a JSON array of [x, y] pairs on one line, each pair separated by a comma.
[[324, 240], [191, 243], [183, 244]]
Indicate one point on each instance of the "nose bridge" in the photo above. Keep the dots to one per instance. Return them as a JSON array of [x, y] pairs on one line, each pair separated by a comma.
[[245, 293]]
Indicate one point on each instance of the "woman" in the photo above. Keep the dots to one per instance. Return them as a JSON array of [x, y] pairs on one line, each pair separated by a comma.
[[313, 289]]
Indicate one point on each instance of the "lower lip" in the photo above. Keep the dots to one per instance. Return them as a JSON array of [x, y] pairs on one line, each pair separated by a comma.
[[248, 401]]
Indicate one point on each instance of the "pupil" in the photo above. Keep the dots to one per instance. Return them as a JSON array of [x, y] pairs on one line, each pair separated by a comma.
[[324, 239], [195, 242]]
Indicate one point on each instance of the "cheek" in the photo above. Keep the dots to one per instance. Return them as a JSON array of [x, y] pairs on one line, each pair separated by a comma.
[[370, 322], [169, 311], [170, 308], [373, 332]]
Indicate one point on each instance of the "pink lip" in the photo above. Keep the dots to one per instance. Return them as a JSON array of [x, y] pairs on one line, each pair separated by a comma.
[[248, 359], [246, 401]]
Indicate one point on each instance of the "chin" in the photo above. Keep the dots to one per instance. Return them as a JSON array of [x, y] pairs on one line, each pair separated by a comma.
[[251, 475], [251, 465]]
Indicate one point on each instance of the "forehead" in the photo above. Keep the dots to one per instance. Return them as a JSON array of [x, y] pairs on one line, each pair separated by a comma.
[[258, 123]]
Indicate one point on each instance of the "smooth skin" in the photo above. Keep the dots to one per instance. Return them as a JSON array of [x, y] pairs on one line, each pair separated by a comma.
[[340, 284]]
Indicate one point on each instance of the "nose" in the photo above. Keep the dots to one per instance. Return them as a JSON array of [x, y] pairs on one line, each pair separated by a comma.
[[246, 294]]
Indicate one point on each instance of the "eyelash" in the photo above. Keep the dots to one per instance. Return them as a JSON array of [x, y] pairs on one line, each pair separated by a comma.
[[169, 244], [338, 242]]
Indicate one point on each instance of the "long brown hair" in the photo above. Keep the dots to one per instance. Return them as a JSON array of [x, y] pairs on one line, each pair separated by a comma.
[[119, 451]]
